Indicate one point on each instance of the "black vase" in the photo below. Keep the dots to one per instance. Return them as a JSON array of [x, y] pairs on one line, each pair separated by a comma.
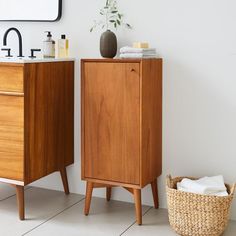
[[108, 44]]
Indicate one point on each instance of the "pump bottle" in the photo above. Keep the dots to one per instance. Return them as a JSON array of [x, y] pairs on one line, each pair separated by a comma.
[[49, 46]]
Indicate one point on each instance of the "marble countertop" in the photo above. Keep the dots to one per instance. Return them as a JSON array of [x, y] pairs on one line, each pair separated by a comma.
[[34, 60]]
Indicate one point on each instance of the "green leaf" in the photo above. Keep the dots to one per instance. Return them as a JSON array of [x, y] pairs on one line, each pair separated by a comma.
[[111, 16]]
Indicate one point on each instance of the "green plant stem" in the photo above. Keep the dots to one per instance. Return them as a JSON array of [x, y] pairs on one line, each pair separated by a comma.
[[111, 17], [107, 19]]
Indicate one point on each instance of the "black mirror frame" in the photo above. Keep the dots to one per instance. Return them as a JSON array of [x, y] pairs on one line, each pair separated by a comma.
[[57, 19]]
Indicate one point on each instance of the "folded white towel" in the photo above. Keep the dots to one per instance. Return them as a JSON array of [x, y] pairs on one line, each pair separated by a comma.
[[207, 186], [219, 194], [137, 55], [137, 50]]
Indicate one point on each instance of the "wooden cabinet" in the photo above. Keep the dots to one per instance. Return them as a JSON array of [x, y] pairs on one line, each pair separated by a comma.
[[36, 122], [121, 126]]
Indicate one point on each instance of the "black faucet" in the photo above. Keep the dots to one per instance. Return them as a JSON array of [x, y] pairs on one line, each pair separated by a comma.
[[19, 36]]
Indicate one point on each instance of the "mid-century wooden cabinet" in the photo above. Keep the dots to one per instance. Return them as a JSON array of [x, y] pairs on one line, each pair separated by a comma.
[[121, 126], [36, 122]]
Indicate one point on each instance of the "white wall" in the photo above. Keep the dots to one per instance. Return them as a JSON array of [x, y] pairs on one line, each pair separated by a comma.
[[197, 40]]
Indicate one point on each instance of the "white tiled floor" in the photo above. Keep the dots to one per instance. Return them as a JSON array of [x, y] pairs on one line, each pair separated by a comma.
[[51, 213]]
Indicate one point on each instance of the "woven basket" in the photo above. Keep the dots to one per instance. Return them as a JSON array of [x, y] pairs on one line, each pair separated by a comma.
[[195, 214]]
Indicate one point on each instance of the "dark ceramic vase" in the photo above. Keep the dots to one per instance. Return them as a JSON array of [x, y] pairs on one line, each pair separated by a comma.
[[108, 44]]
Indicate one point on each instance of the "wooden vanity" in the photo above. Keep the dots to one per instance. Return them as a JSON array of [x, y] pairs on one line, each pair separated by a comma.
[[121, 126], [36, 122]]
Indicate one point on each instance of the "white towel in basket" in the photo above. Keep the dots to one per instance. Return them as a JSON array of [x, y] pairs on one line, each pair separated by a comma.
[[207, 186]]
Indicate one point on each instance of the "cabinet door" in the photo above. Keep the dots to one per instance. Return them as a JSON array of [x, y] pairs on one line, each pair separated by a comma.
[[112, 122], [11, 137]]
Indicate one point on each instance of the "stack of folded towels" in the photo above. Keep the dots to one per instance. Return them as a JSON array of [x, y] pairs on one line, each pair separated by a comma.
[[132, 52], [207, 186]]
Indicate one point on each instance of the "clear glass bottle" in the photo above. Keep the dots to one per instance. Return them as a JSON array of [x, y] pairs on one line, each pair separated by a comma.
[[49, 46], [63, 47]]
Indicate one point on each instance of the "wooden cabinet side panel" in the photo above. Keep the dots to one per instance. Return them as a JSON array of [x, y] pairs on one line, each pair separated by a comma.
[[35, 162], [49, 118], [69, 112], [151, 136], [110, 121], [82, 98]]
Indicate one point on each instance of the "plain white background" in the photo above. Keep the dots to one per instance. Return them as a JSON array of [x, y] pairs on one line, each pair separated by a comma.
[[197, 40]]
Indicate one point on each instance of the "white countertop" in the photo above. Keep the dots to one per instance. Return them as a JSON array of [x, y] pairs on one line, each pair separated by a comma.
[[35, 60]]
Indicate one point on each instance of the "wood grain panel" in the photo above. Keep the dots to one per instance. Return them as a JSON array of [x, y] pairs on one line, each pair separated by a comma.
[[11, 78], [111, 122], [11, 137], [151, 136], [49, 118]]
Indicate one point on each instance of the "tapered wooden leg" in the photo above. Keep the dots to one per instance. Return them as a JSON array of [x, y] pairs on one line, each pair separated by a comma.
[[20, 201], [108, 194], [138, 205], [155, 193], [65, 181], [89, 191]]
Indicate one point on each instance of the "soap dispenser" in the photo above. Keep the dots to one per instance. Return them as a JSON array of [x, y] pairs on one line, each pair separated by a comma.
[[49, 46]]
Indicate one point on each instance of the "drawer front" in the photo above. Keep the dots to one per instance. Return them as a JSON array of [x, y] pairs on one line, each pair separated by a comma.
[[11, 79], [11, 137]]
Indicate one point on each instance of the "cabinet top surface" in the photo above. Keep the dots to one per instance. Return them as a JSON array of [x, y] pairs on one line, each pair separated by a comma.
[[119, 60], [4, 60]]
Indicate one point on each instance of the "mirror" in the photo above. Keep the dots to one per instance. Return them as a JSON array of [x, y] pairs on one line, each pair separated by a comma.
[[30, 10]]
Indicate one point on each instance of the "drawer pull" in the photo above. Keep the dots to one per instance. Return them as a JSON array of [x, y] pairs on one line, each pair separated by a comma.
[[132, 70]]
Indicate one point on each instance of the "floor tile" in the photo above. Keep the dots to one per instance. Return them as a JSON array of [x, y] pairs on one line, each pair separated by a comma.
[[231, 229], [155, 222], [106, 218], [50, 212], [40, 204], [6, 191]]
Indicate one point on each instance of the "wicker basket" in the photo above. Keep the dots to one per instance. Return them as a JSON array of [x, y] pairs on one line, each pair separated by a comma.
[[195, 214]]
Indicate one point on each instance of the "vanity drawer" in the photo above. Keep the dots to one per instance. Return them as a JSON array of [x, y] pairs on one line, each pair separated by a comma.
[[11, 137], [11, 78]]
